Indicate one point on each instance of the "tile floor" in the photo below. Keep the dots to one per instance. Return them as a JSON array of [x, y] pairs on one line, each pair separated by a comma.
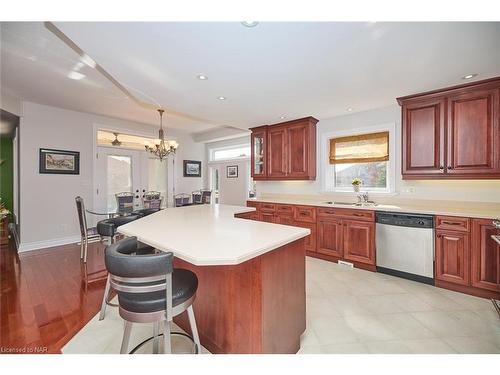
[[356, 311], [353, 311]]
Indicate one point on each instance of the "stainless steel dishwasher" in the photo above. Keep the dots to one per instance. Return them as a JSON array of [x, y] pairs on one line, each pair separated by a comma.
[[405, 245]]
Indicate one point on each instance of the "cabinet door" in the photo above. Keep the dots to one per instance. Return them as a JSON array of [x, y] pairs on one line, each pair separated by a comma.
[[359, 241], [330, 237], [311, 239], [284, 219], [276, 152], [258, 142], [299, 151], [423, 138], [485, 272], [452, 257], [473, 133]]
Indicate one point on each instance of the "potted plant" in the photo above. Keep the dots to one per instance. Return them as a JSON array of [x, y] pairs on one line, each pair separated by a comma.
[[356, 183]]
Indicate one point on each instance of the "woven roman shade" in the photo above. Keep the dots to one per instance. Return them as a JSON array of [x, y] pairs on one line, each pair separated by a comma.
[[361, 148]]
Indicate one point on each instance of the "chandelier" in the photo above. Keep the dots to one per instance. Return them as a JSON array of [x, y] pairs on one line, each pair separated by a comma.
[[164, 147]]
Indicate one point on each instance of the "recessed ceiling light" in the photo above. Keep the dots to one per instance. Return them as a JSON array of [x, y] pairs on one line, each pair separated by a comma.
[[249, 23], [282, 117], [349, 109], [201, 77], [76, 75], [221, 98], [469, 76]]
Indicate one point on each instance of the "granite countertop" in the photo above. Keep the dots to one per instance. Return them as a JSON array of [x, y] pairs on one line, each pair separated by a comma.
[[207, 235]]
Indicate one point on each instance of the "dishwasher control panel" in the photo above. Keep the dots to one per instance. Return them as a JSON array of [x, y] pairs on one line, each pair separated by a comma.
[[405, 220]]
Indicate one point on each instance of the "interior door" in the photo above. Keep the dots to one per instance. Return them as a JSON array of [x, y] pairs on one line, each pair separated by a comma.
[[117, 170]]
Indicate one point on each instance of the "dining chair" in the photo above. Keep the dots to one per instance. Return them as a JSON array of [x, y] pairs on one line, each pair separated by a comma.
[[206, 196], [125, 202], [181, 199], [152, 199], [197, 197], [87, 235]]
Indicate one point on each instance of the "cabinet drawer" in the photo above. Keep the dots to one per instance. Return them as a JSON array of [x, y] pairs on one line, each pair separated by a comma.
[[304, 214], [284, 209], [332, 212], [461, 224], [253, 204], [268, 207]]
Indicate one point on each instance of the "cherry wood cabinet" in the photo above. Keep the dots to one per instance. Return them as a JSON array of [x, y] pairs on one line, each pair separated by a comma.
[[284, 151], [485, 271], [329, 241], [423, 137], [358, 239], [258, 144], [277, 152], [453, 133], [473, 133], [452, 257]]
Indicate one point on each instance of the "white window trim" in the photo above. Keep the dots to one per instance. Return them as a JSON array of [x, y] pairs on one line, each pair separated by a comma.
[[211, 152], [324, 157]]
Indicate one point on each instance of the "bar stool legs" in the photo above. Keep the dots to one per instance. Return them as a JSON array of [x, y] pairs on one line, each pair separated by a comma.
[[167, 344], [126, 337], [105, 298], [156, 338], [194, 329]]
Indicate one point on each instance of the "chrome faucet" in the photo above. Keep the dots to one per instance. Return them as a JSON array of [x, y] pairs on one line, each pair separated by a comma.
[[363, 198]]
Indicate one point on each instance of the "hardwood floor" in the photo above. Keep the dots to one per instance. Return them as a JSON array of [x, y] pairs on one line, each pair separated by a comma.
[[47, 296]]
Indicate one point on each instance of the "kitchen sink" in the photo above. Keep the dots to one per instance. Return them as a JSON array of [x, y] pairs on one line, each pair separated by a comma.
[[367, 204]]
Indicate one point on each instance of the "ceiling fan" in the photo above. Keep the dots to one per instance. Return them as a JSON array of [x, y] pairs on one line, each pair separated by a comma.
[[116, 142]]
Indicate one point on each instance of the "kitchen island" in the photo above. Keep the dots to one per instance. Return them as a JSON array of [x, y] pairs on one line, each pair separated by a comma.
[[251, 293]]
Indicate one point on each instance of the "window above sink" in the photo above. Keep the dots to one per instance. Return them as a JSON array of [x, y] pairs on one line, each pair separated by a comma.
[[360, 155]]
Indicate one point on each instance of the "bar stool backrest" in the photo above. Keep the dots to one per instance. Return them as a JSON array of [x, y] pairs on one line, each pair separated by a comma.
[[139, 273]]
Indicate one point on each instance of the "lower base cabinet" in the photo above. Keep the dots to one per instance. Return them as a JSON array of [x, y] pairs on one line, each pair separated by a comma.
[[359, 241], [485, 269], [310, 243], [329, 240], [452, 257]]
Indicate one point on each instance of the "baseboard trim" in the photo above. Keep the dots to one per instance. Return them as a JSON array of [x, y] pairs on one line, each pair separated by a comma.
[[39, 245]]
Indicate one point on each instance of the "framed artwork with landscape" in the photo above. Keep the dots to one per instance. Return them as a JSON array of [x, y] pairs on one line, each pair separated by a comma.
[[59, 161], [192, 168]]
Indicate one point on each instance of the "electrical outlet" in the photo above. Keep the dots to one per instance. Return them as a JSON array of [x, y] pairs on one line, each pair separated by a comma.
[[408, 190]]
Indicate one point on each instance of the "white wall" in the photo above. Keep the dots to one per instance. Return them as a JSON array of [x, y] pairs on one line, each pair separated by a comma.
[[233, 190], [458, 190], [10, 103], [48, 213]]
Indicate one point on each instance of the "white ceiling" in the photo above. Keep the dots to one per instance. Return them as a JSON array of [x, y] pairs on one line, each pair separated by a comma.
[[274, 69]]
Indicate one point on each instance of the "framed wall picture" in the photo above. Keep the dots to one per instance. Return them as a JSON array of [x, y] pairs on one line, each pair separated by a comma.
[[192, 168], [59, 161], [232, 171]]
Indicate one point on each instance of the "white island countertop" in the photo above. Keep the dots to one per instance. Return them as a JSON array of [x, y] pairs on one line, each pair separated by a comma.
[[208, 235]]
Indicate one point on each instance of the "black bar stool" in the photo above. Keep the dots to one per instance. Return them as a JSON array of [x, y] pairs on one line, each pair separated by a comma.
[[150, 290], [145, 212], [107, 230]]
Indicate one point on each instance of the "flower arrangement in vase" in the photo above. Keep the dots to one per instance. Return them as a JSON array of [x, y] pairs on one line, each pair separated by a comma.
[[356, 184]]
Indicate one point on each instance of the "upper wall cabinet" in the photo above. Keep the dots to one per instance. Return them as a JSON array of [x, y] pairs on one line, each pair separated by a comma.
[[285, 151], [452, 133]]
